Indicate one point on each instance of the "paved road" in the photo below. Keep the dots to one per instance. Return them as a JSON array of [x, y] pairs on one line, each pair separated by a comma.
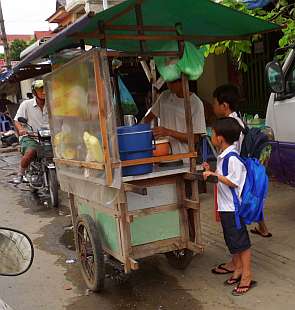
[[53, 284]]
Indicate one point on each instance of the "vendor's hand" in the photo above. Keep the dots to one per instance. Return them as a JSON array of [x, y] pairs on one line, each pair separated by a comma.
[[206, 174], [160, 132], [206, 166]]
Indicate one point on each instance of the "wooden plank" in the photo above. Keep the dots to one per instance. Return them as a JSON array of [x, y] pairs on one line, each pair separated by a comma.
[[146, 54], [134, 264], [180, 188], [79, 164], [122, 13], [102, 111], [135, 189], [190, 204], [149, 28], [160, 37], [74, 212], [150, 160], [113, 254], [197, 248], [157, 247], [153, 210], [171, 179], [188, 119], [139, 21], [125, 231]]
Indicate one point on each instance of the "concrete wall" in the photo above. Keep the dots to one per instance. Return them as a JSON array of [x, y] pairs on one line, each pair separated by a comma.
[[215, 74]]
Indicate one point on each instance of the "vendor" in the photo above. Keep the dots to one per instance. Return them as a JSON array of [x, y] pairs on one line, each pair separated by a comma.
[[170, 109]]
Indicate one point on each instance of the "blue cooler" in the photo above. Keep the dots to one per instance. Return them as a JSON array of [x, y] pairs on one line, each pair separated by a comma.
[[136, 142]]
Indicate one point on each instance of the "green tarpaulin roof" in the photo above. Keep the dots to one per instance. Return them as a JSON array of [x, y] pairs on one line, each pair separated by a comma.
[[202, 21]]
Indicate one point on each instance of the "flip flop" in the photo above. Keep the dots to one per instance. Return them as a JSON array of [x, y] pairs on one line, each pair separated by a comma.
[[234, 281], [221, 267], [248, 288], [255, 231]]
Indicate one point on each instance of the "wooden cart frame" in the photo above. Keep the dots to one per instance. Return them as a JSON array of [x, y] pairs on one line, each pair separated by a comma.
[[189, 237]]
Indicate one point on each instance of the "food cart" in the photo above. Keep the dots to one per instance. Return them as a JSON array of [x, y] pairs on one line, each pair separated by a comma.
[[126, 218]]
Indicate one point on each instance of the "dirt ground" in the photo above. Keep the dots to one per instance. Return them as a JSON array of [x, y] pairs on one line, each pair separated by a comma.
[[53, 284]]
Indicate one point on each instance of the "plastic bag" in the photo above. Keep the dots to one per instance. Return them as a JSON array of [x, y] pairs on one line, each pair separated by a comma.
[[191, 63], [127, 102], [168, 68]]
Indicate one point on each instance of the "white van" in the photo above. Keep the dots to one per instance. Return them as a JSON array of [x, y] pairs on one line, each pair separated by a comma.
[[281, 117]]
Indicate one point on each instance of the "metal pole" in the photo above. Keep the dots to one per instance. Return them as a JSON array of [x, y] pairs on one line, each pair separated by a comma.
[[4, 39], [105, 4]]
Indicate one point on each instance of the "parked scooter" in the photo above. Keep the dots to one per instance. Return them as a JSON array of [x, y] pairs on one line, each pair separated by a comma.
[[41, 173], [17, 254]]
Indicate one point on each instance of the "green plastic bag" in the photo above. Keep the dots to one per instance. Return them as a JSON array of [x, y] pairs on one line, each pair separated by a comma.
[[168, 68], [191, 63]]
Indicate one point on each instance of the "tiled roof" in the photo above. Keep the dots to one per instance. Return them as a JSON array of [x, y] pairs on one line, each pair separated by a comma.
[[42, 34]]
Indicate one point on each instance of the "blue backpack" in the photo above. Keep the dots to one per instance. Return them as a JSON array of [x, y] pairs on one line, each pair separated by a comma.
[[254, 192]]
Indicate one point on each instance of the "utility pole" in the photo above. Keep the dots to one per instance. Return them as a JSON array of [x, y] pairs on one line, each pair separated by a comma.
[[4, 39]]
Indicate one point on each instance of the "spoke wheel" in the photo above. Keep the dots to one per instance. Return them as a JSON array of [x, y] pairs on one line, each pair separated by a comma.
[[90, 253], [180, 259]]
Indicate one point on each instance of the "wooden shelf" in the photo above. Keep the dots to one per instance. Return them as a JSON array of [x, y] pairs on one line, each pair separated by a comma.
[[153, 160]]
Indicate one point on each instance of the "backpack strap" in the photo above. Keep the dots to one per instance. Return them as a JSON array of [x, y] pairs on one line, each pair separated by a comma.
[[234, 194]]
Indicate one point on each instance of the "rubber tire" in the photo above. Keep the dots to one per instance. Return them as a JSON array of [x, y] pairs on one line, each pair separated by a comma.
[[180, 263], [99, 265], [53, 187]]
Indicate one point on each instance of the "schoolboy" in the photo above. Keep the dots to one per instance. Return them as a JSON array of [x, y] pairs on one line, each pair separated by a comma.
[[225, 132], [226, 99]]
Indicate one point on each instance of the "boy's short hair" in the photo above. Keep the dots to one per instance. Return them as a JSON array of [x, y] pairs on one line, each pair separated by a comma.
[[228, 128], [228, 93]]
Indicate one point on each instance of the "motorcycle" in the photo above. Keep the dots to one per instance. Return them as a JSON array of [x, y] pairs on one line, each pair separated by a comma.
[[16, 255], [41, 173]]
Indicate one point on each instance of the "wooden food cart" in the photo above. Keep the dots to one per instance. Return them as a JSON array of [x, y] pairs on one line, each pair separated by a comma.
[[132, 217], [129, 217]]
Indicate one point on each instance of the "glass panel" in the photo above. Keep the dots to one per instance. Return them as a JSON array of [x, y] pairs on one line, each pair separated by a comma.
[[74, 119]]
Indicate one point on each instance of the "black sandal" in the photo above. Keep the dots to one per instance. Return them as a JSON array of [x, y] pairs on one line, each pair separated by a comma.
[[255, 231], [221, 267]]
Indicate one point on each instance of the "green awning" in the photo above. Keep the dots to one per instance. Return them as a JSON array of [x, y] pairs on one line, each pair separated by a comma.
[[202, 21]]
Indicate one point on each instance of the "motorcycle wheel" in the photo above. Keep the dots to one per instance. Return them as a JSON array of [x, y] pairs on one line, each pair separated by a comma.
[[53, 187]]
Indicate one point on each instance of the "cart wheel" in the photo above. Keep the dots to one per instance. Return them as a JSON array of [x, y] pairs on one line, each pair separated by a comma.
[[90, 253], [179, 259]]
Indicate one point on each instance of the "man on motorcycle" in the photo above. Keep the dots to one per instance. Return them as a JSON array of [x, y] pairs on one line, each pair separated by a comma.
[[35, 111]]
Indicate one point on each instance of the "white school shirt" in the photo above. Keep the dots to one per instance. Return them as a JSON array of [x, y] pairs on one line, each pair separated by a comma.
[[238, 143], [30, 110], [170, 109], [236, 174]]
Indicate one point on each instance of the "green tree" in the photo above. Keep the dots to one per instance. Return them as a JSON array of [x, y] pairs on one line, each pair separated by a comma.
[[17, 46], [283, 14]]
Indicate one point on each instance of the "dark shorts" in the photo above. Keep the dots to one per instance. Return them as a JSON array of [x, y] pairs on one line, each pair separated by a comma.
[[27, 143], [237, 240]]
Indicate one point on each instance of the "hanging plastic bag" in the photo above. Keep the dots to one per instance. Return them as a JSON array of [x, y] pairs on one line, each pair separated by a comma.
[[192, 62], [127, 102], [168, 68]]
